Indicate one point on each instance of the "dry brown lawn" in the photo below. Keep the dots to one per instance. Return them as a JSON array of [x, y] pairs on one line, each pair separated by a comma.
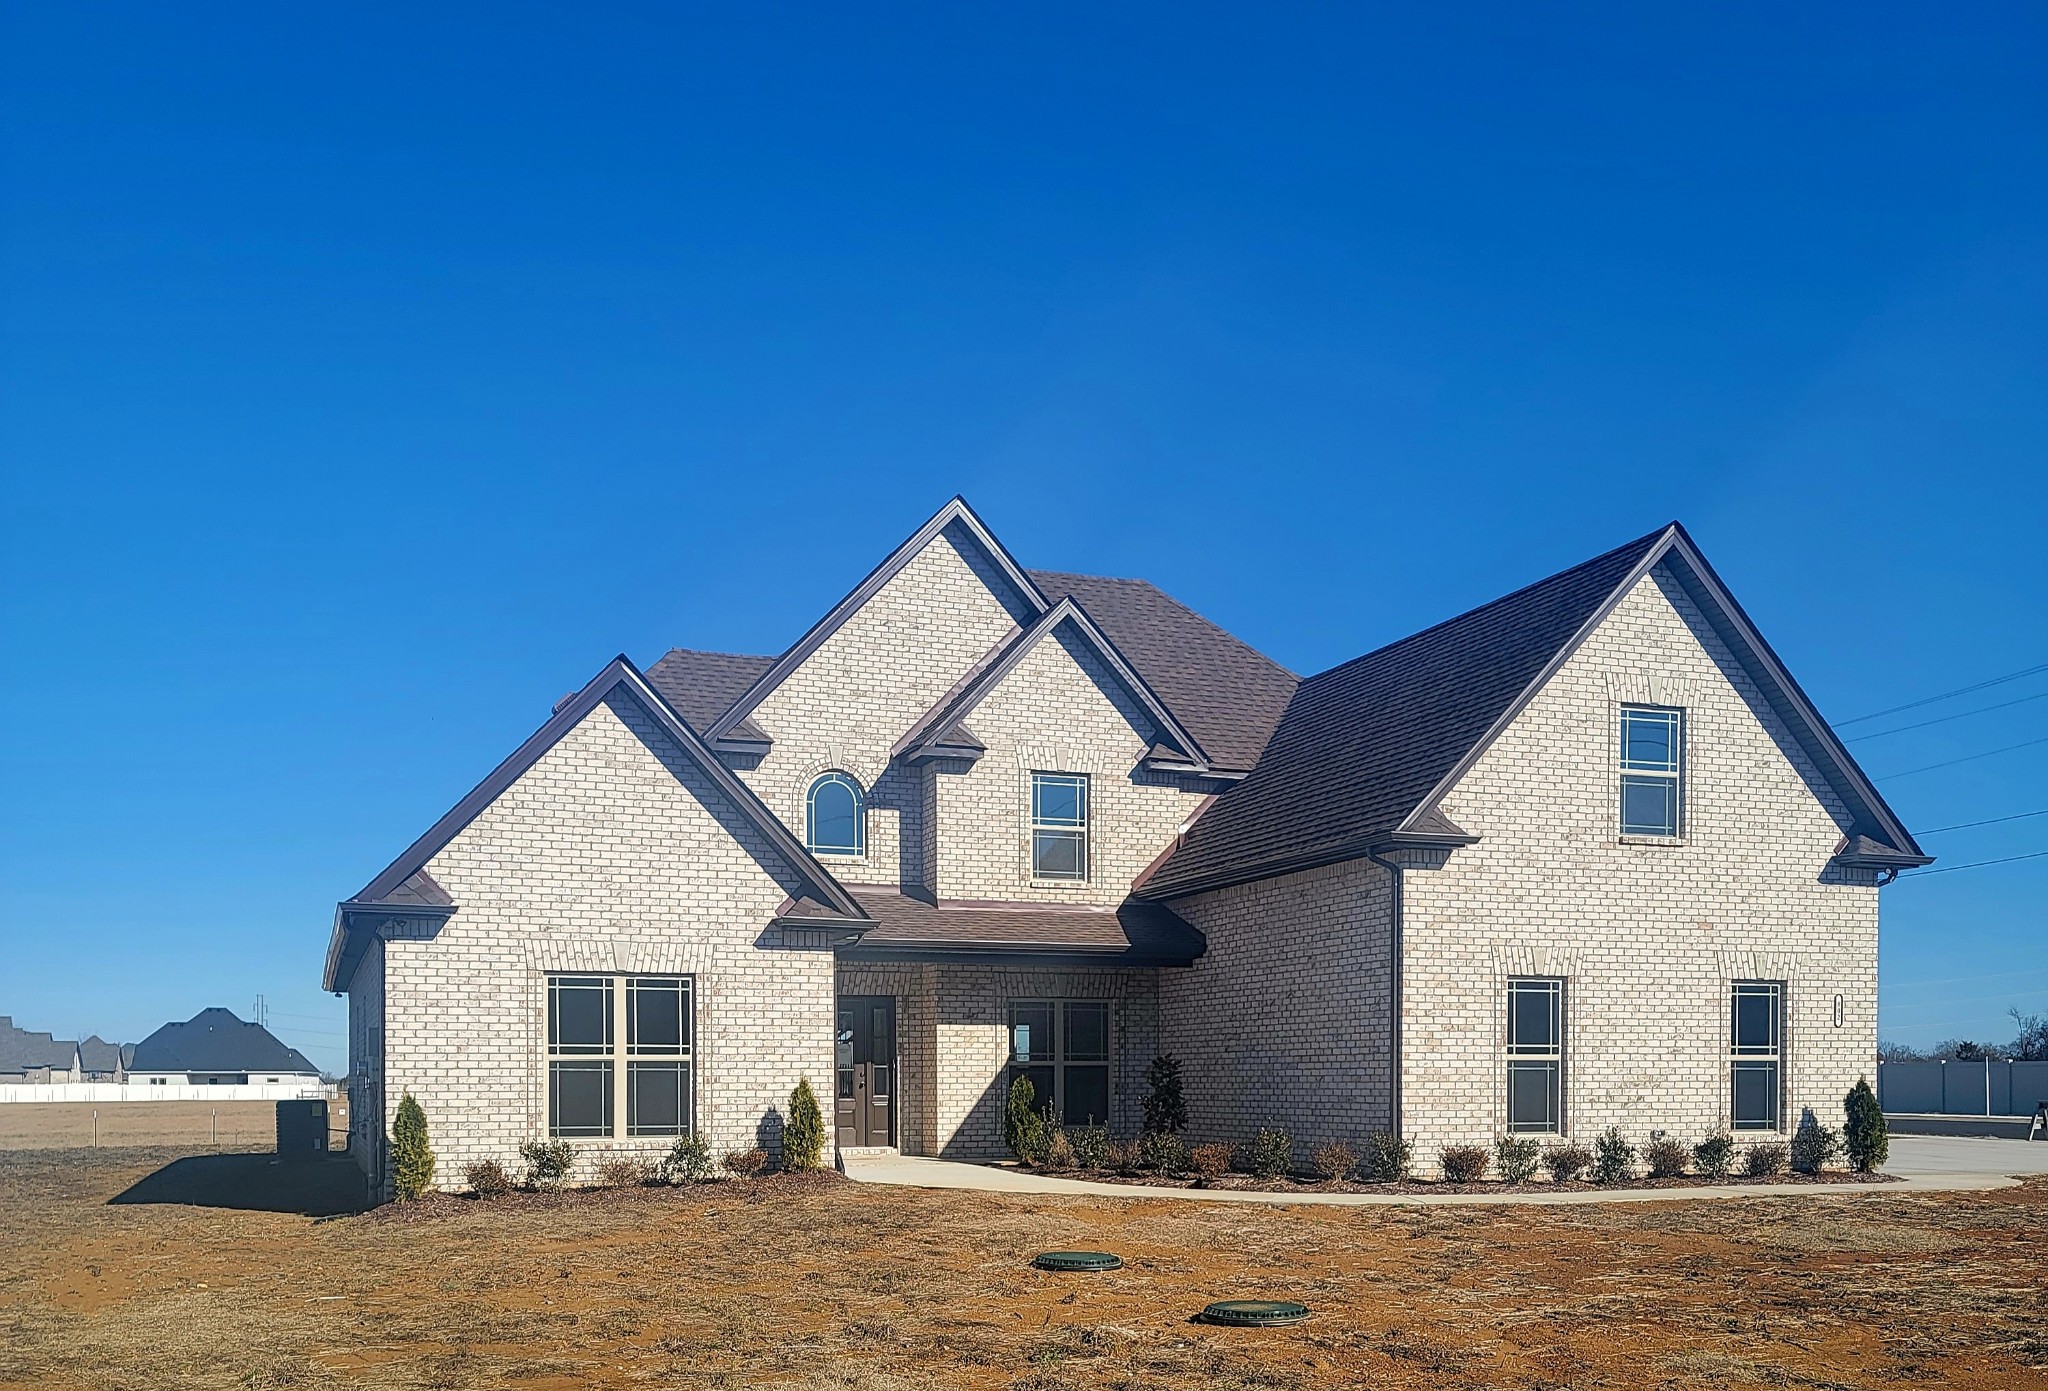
[[71, 1125], [132, 1270]]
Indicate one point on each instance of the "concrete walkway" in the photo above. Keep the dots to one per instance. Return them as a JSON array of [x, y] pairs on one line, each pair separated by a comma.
[[1923, 1164]]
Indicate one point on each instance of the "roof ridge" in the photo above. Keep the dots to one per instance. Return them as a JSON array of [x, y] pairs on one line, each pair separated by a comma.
[[711, 652]]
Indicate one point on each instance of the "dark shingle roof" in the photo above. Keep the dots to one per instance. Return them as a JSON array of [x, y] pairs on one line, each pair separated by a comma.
[[703, 685], [215, 1040], [1362, 744], [95, 1054], [23, 1049], [1228, 694], [1135, 933]]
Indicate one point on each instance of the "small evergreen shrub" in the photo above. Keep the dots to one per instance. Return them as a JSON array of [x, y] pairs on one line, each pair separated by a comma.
[[547, 1163], [1209, 1161], [1388, 1158], [621, 1171], [1023, 1123], [1163, 1152], [1516, 1159], [1614, 1158], [1863, 1132], [1814, 1146], [1059, 1150], [1271, 1152], [689, 1161], [412, 1160], [1567, 1162], [1166, 1109], [1091, 1146], [1763, 1160], [746, 1163], [487, 1179], [1666, 1157], [1333, 1161], [1714, 1156], [1124, 1157], [803, 1135], [1464, 1163]]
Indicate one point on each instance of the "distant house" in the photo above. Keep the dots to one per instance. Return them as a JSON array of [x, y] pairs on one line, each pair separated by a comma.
[[26, 1056], [101, 1061], [215, 1048]]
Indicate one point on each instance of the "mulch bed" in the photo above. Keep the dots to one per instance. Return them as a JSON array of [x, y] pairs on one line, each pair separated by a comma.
[[1303, 1183], [431, 1207]]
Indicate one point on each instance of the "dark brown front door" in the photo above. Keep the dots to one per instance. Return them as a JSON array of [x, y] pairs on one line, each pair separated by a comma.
[[867, 1070]]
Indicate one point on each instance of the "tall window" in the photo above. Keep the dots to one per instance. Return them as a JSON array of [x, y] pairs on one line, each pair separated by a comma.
[[592, 1079], [1756, 1043], [833, 824], [1059, 826], [1535, 1055], [1652, 770], [1063, 1047]]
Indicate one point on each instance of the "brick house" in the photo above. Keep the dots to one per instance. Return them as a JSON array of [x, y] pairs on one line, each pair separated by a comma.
[[1583, 856]]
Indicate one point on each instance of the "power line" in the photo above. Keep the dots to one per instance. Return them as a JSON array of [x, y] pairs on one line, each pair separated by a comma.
[[1958, 980], [1966, 758], [1945, 695], [1951, 869], [1996, 820], [1944, 719]]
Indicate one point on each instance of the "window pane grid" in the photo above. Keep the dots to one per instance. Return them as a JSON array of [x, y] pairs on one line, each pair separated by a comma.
[[1062, 1046], [593, 1074], [1535, 1061], [1059, 826], [1756, 1021], [834, 823], [1652, 755]]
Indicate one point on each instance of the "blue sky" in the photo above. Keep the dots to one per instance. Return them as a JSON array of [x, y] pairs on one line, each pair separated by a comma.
[[368, 377]]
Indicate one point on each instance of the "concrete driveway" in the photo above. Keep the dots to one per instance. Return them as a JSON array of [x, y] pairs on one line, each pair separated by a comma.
[[1916, 1155]]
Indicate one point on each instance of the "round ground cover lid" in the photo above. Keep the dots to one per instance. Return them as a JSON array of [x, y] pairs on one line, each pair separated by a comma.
[[1078, 1260], [1255, 1313]]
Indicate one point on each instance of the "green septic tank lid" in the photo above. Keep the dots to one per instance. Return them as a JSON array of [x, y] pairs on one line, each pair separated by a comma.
[[1078, 1260], [1255, 1313]]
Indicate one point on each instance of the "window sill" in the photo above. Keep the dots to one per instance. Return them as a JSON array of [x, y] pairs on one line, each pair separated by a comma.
[[1666, 842], [1059, 883]]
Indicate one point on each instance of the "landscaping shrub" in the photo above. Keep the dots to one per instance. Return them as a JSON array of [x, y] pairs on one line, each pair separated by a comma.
[[547, 1162], [1666, 1157], [1464, 1163], [1567, 1162], [620, 1171], [1516, 1159], [1814, 1146], [1091, 1145], [1614, 1158], [1124, 1157], [1209, 1161], [1714, 1156], [689, 1161], [488, 1179], [1023, 1123], [412, 1160], [746, 1163], [803, 1135], [1271, 1152], [1333, 1161], [1763, 1160], [1059, 1150], [1163, 1152], [1868, 1142], [1166, 1109], [1388, 1158]]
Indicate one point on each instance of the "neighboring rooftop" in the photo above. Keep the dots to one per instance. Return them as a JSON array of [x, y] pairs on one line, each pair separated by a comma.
[[22, 1050], [216, 1040]]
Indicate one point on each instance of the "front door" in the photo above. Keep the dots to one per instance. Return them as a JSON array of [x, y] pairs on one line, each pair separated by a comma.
[[867, 1071]]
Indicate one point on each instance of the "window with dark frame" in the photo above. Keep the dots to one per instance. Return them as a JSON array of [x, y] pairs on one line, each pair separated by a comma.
[[1756, 1049], [1063, 1047], [592, 1080], [1652, 771], [834, 820], [1059, 826], [1535, 1070]]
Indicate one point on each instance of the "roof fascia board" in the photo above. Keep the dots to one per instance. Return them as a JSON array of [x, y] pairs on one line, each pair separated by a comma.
[[833, 621]]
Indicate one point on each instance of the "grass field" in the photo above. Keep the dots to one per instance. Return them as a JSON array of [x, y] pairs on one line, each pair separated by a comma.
[[128, 1269], [226, 1125]]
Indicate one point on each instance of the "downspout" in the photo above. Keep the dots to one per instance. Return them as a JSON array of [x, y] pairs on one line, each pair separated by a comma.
[[1393, 993]]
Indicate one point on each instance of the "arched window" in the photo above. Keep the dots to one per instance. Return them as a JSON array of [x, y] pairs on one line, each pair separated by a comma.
[[833, 824]]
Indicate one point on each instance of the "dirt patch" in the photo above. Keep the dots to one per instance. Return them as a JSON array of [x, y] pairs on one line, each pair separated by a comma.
[[1301, 1183], [832, 1286]]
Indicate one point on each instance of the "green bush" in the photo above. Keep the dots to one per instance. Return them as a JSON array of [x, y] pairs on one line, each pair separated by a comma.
[[1464, 1163], [488, 1179], [1166, 1109], [1271, 1152], [1666, 1157], [1091, 1146], [1163, 1152], [1714, 1156], [1388, 1158], [1763, 1160], [1864, 1132], [689, 1161], [1333, 1161], [547, 1162], [803, 1134], [1567, 1162], [1023, 1123], [412, 1159], [1515, 1159], [1614, 1159], [1814, 1146]]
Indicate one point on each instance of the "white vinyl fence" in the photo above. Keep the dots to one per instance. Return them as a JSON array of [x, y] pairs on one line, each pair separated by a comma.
[[104, 1092]]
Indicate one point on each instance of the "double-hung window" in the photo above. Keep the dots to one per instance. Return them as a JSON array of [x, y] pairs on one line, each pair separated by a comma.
[[1059, 826], [1652, 771], [1063, 1047], [599, 1071], [1535, 1055], [1756, 1053]]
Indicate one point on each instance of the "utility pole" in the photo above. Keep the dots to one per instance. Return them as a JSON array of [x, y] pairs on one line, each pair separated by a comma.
[[262, 1014]]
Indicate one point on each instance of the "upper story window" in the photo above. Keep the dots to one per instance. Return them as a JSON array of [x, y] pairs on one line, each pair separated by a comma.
[[1652, 770], [1059, 826], [833, 823]]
